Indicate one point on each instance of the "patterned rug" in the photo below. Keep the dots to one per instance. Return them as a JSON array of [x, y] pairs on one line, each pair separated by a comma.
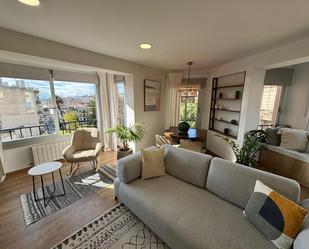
[[117, 228], [76, 187]]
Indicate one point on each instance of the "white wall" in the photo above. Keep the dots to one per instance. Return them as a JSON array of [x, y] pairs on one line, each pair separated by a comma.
[[295, 108], [47, 52]]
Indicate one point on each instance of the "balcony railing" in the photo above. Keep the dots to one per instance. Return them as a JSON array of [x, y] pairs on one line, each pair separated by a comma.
[[264, 126], [68, 127], [43, 129]]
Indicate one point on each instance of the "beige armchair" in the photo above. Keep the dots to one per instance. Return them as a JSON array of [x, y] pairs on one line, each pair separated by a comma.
[[85, 147]]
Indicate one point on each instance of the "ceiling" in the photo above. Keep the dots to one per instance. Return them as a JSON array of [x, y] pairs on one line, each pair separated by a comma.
[[208, 32]]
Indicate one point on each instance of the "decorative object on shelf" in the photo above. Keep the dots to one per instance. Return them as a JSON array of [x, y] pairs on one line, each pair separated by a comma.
[[220, 95], [188, 89], [247, 153], [234, 121], [183, 127], [152, 92], [220, 107], [132, 133], [226, 131], [237, 94], [220, 118]]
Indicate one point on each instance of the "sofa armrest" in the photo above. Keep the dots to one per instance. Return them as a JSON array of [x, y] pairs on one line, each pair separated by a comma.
[[129, 168], [302, 239]]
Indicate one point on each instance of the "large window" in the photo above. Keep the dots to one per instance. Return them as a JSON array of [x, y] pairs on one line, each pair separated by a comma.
[[188, 107], [27, 109], [270, 106]]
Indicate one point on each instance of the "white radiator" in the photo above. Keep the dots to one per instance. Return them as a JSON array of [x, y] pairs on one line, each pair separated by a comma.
[[49, 152]]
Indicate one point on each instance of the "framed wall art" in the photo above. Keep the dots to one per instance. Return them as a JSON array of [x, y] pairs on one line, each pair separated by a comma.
[[152, 92]]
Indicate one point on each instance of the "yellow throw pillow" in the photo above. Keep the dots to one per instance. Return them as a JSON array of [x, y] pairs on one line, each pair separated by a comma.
[[153, 163]]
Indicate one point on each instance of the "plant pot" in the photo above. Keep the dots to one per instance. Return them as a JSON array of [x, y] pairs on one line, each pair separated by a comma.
[[123, 153]]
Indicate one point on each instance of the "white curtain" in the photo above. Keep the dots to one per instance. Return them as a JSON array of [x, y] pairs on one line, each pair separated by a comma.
[[109, 109], [172, 99], [2, 174]]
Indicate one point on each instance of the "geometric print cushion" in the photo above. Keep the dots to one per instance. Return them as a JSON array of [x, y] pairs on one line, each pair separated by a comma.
[[277, 217]]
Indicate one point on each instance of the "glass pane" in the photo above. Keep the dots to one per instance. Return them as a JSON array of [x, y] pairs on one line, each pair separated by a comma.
[[76, 106], [269, 107], [25, 108], [121, 102], [188, 109]]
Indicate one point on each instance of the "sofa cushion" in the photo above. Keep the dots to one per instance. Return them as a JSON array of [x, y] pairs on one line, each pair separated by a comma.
[[187, 217], [304, 157], [187, 165], [302, 239], [278, 218], [294, 139], [235, 183], [272, 136]]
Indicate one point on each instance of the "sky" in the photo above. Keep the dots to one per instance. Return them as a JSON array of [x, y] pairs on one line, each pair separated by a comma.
[[62, 88]]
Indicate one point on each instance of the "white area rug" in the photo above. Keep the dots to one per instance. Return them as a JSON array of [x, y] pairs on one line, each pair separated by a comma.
[[117, 228]]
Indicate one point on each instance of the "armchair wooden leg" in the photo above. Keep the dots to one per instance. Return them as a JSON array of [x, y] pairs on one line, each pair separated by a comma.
[[74, 167], [97, 165], [71, 169]]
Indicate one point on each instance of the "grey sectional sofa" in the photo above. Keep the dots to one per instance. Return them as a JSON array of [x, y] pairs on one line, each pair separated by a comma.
[[199, 203]]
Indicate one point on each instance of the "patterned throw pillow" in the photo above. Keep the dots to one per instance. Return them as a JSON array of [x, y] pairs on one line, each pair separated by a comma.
[[278, 218]]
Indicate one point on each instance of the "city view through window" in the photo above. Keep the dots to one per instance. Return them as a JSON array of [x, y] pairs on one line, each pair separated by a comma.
[[27, 110]]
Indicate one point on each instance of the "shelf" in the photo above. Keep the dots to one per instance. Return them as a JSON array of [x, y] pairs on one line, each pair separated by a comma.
[[222, 133], [224, 121], [227, 99], [227, 110], [220, 87]]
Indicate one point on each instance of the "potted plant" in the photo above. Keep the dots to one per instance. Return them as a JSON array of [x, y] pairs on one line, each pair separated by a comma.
[[183, 127], [127, 134], [247, 153]]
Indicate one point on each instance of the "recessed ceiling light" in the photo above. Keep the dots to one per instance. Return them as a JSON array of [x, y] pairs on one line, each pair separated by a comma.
[[30, 2], [145, 46]]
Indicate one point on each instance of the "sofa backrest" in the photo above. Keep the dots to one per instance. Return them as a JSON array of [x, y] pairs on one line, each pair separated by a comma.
[[235, 183], [189, 166]]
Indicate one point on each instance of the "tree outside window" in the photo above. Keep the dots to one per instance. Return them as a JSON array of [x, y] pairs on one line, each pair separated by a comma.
[[188, 109]]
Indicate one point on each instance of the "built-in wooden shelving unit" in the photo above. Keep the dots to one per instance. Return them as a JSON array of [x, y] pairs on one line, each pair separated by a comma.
[[225, 105]]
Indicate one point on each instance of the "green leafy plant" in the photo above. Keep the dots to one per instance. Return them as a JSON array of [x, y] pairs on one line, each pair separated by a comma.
[[127, 134], [246, 154], [183, 126]]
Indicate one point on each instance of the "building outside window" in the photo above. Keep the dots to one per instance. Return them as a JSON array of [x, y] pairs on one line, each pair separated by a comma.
[[27, 110], [188, 107], [270, 106]]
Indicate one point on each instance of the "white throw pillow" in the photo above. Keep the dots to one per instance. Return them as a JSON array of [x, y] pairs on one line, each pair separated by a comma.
[[294, 139]]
